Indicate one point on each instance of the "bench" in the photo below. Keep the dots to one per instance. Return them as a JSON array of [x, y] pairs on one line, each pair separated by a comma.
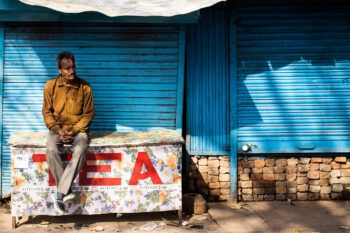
[[124, 172]]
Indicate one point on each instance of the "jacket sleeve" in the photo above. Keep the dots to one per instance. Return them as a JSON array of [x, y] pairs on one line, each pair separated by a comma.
[[88, 112], [48, 110]]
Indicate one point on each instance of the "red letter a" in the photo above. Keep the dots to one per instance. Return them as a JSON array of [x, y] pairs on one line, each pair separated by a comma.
[[142, 158]]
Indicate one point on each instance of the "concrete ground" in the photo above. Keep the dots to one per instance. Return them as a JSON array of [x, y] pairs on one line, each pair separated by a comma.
[[319, 216]]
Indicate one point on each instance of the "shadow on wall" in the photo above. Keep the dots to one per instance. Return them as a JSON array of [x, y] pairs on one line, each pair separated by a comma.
[[293, 71]]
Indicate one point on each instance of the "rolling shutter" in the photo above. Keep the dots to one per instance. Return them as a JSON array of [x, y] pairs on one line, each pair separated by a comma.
[[135, 72], [293, 87]]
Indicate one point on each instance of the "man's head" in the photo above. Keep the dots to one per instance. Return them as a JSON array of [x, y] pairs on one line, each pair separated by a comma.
[[66, 65]]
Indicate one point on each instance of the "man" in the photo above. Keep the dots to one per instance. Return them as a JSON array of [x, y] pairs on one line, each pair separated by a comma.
[[68, 110]]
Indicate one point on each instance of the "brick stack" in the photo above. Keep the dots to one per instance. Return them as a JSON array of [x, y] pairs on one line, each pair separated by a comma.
[[276, 178], [210, 176]]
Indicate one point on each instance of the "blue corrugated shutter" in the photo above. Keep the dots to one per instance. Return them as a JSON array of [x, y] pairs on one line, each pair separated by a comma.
[[293, 87], [134, 72], [207, 85]]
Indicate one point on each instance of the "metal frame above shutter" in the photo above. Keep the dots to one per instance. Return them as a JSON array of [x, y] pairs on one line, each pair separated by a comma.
[[136, 73], [293, 65]]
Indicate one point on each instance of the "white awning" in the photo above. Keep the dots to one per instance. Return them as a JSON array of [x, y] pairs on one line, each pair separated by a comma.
[[114, 8]]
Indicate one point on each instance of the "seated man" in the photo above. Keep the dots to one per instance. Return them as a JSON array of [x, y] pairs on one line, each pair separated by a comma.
[[68, 110]]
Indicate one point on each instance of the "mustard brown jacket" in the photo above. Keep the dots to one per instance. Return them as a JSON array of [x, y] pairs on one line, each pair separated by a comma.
[[68, 106]]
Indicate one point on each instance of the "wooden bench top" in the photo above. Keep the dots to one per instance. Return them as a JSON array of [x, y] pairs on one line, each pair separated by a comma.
[[38, 139]]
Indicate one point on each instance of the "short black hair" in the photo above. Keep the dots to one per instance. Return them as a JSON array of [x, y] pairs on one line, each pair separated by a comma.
[[64, 54]]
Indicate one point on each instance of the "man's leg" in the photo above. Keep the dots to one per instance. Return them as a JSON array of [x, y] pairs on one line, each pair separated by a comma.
[[54, 146], [80, 146]]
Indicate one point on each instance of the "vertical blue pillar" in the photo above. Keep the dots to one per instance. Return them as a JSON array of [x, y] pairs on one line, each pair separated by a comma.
[[2, 38], [233, 105]]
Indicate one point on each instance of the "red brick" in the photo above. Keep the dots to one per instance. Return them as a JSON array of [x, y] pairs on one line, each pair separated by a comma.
[[325, 175], [346, 165], [251, 164], [258, 184], [302, 196], [303, 187], [257, 170], [247, 191], [291, 169], [314, 166], [303, 168], [292, 161], [258, 191], [281, 162], [270, 191], [259, 163], [344, 172], [280, 176], [281, 190], [269, 163], [279, 170], [291, 177], [335, 165], [268, 177], [325, 167], [281, 183], [240, 170], [324, 196], [242, 177], [313, 175], [269, 183], [327, 160], [256, 176], [268, 170], [340, 159], [316, 160], [302, 180], [324, 182]]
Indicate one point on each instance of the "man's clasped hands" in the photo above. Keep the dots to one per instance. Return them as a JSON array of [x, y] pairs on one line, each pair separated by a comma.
[[66, 136]]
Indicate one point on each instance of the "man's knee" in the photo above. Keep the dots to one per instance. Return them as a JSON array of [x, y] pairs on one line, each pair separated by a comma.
[[51, 145], [81, 141]]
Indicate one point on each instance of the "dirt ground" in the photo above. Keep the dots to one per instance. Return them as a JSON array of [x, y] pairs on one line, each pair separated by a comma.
[[250, 217], [159, 221]]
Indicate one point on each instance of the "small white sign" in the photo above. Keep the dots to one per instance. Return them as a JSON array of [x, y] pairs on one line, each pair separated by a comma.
[[21, 161]]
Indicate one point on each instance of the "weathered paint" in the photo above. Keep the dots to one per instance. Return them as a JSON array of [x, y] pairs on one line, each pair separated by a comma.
[[1, 92], [293, 68], [134, 72], [15, 11], [207, 84]]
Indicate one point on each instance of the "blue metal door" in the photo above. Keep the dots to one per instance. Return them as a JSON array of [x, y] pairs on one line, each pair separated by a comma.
[[207, 84], [136, 73], [293, 71]]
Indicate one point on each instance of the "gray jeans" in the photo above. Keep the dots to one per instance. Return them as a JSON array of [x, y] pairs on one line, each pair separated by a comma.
[[65, 176]]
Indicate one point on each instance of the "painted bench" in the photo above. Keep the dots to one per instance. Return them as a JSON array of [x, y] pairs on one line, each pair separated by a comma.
[[124, 172]]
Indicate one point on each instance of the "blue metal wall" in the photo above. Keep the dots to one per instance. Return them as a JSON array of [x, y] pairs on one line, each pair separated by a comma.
[[207, 84], [136, 73], [293, 87]]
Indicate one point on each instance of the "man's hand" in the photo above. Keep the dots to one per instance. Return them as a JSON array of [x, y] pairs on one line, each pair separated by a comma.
[[66, 136]]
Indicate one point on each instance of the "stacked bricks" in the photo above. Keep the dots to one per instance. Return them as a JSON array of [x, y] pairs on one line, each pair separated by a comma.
[[295, 178], [210, 176]]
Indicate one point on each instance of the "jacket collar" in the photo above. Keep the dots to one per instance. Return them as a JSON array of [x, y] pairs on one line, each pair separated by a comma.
[[74, 84]]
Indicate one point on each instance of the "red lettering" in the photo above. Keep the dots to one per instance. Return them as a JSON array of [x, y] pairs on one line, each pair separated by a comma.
[[143, 159], [84, 180]]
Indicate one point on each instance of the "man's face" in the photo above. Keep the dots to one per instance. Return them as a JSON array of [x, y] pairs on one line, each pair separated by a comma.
[[68, 69]]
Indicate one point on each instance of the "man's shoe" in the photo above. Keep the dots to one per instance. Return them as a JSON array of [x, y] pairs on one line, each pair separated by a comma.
[[58, 204], [70, 196]]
